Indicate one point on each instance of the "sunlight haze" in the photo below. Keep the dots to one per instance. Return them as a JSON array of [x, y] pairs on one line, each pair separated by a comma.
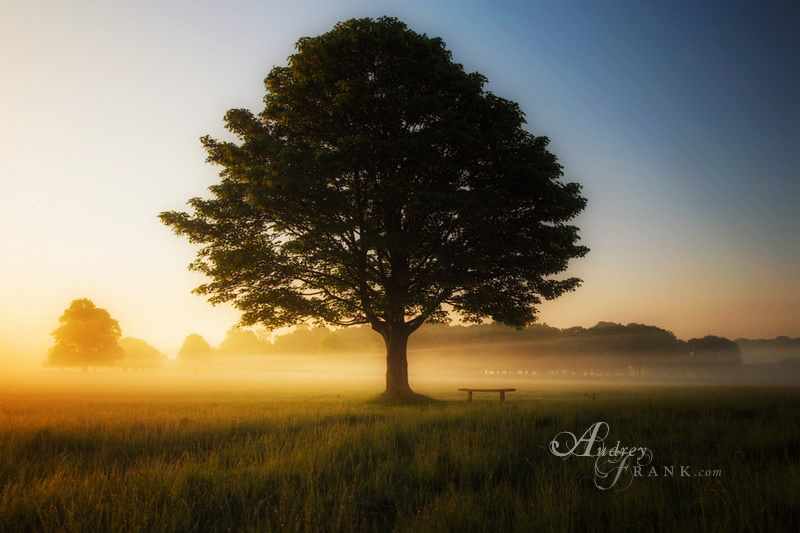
[[680, 122]]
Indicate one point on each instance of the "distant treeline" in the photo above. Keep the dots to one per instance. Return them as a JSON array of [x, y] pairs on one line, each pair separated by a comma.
[[783, 350], [635, 342]]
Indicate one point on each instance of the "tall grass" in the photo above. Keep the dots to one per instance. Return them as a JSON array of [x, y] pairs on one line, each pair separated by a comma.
[[249, 463]]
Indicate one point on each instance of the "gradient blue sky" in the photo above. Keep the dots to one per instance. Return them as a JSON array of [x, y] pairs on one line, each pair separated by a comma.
[[680, 119]]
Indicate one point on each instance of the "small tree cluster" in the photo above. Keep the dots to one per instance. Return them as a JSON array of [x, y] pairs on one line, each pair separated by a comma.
[[195, 349], [87, 336]]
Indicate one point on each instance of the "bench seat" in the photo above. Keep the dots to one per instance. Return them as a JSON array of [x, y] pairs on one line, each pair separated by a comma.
[[501, 391]]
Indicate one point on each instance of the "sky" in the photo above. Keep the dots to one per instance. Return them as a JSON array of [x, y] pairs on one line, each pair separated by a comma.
[[681, 121]]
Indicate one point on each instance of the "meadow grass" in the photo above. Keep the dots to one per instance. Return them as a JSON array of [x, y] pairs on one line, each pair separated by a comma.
[[240, 459]]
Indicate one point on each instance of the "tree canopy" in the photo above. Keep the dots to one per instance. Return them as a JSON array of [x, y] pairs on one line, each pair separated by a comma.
[[87, 336], [382, 185], [713, 349], [240, 341], [194, 349], [140, 354]]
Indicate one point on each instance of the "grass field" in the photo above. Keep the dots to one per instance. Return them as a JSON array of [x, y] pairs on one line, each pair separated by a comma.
[[148, 454]]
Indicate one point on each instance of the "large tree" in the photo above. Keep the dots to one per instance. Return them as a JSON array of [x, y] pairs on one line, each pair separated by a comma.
[[87, 336], [382, 185]]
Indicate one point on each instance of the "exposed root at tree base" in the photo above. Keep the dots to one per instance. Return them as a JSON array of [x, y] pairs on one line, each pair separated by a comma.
[[407, 398]]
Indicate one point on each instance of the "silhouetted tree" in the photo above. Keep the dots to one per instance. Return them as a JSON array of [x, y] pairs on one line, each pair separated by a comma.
[[139, 354], [769, 351], [240, 341], [194, 349], [713, 349], [633, 340], [382, 185], [87, 336], [304, 339]]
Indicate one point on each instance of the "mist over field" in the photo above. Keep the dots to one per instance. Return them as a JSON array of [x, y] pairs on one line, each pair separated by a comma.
[[316, 362], [284, 432]]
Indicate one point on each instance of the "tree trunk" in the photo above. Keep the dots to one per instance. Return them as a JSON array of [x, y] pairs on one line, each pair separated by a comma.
[[396, 338]]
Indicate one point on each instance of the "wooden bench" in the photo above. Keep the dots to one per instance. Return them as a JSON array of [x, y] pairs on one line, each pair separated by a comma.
[[501, 391]]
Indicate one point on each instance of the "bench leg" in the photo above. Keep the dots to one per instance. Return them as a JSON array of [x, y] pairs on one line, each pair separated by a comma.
[[502, 396], [469, 395]]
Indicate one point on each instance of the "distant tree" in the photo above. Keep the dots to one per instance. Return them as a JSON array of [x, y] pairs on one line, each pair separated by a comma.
[[382, 185], [87, 336], [333, 342], [769, 351], [632, 340], [240, 341], [353, 339], [194, 349], [303, 339], [139, 354], [712, 349]]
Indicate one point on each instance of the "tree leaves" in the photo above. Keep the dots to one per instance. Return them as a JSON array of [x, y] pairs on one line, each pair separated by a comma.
[[87, 336], [382, 184]]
